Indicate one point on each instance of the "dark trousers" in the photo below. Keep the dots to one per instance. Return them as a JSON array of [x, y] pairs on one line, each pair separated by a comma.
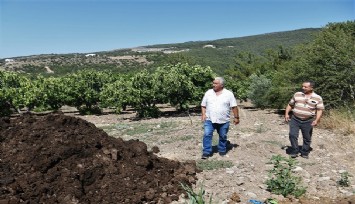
[[306, 128]]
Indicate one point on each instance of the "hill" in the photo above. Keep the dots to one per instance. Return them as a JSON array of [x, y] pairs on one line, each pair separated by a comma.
[[255, 43], [218, 54]]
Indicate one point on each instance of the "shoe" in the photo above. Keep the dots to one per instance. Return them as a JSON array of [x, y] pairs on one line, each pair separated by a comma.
[[222, 154], [305, 156], [293, 155], [205, 156]]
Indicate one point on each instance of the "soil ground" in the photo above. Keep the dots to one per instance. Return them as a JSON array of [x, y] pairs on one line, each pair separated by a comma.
[[260, 135]]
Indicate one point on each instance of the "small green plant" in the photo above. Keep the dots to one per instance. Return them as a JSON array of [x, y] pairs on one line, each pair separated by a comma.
[[195, 198], [213, 164], [271, 201], [281, 181], [259, 128], [344, 179]]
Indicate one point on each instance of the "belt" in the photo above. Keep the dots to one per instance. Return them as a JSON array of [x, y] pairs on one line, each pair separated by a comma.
[[301, 119]]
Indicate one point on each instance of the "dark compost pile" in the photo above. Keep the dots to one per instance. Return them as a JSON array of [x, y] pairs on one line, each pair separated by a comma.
[[63, 159]]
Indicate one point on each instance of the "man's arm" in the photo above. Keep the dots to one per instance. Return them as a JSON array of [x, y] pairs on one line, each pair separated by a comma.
[[236, 114], [287, 111], [318, 116], [203, 113]]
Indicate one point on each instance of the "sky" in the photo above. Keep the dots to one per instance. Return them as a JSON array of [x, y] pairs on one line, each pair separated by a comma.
[[31, 27]]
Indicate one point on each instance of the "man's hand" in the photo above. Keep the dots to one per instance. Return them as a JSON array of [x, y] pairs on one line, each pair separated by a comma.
[[315, 123], [203, 117], [203, 113], [318, 116], [236, 121], [287, 111]]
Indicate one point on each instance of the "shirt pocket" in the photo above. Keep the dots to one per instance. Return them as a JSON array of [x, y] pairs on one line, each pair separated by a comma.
[[312, 104], [226, 102]]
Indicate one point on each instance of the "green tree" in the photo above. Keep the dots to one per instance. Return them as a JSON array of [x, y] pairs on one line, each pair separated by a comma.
[[244, 66], [18, 91], [330, 62], [5, 106], [118, 93], [51, 92], [182, 84], [145, 90], [258, 89], [176, 88], [83, 89], [201, 78]]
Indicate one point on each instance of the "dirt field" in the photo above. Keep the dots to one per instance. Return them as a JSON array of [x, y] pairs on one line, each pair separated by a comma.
[[261, 134]]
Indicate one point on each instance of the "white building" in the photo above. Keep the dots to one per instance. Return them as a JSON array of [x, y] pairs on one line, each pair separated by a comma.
[[209, 46], [9, 60]]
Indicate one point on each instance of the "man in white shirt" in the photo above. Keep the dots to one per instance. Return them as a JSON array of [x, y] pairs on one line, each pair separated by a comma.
[[215, 106]]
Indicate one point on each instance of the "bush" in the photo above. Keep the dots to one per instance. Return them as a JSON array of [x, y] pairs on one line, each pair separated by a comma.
[[281, 180], [258, 89], [148, 112], [344, 179], [341, 119]]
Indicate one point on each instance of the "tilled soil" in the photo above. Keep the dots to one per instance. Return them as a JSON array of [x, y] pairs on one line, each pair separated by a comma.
[[63, 159]]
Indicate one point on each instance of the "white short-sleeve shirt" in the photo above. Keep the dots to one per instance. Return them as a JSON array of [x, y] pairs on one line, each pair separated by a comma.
[[218, 107]]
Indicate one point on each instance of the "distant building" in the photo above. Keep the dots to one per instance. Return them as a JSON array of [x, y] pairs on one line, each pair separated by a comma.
[[9, 60], [48, 70], [90, 55], [144, 49], [209, 46]]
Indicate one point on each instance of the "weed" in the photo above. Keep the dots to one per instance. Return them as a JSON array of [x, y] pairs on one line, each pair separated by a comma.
[[271, 201], [213, 164], [141, 128], [277, 143], [175, 139], [195, 198], [308, 163], [167, 124], [344, 179], [186, 138], [281, 181], [340, 119], [113, 127], [259, 128]]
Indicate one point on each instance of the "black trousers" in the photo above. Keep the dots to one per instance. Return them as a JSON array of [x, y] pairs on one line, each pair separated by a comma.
[[306, 129]]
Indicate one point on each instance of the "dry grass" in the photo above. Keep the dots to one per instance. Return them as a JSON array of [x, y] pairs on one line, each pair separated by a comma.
[[339, 120]]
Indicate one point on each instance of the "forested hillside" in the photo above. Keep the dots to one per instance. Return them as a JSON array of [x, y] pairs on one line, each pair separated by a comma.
[[218, 54]]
